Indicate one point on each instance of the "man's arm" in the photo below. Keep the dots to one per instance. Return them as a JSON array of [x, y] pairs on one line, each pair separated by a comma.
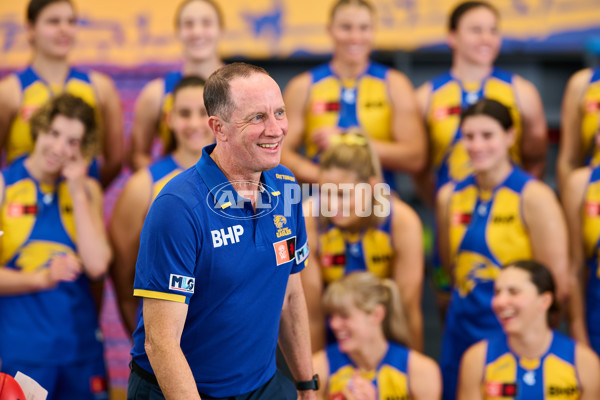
[[164, 321], [294, 335]]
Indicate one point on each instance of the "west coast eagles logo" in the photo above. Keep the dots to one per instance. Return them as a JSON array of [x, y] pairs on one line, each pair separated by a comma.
[[280, 221]]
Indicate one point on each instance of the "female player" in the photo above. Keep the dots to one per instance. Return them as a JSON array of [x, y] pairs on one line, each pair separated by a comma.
[[353, 91], [496, 215], [53, 245], [530, 360], [474, 37], [199, 26], [371, 359], [371, 230], [51, 30], [189, 123]]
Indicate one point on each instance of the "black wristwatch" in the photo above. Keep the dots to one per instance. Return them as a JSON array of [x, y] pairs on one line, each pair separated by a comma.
[[313, 384]]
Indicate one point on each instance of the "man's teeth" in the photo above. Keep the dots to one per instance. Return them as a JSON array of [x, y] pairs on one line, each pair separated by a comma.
[[268, 146]]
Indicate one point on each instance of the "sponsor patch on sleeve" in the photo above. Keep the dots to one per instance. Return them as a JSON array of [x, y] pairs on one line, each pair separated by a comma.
[[181, 283], [302, 253], [285, 250]]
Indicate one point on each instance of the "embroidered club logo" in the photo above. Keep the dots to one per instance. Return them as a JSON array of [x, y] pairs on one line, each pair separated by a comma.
[[280, 221]]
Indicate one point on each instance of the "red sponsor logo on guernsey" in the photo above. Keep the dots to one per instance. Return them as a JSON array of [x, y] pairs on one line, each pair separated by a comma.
[[321, 107], [461, 219], [444, 112], [15, 210], [592, 209], [27, 112], [98, 384], [592, 106], [493, 389]]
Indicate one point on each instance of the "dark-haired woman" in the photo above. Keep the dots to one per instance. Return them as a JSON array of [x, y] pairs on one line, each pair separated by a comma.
[[51, 31], [371, 359], [199, 27], [474, 37], [530, 360], [496, 215], [53, 245]]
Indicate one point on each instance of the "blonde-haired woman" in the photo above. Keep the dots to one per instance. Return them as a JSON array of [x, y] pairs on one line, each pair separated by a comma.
[[371, 359], [355, 224]]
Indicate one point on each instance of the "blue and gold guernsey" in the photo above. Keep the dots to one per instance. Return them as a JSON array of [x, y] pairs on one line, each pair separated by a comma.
[[164, 132], [590, 121], [449, 96], [58, 326], [36, 92], [162, 171], [342, 252], [390, 378], [551, 377], [486, 231], [591, 244], [363, 102]]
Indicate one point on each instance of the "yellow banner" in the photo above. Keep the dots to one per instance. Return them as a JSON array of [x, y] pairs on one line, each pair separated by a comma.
[[130, 32]]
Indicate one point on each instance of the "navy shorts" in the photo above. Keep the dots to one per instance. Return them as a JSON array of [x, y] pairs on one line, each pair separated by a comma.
[[143, 386]]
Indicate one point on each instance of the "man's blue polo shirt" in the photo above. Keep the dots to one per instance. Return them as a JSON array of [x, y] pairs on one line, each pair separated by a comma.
[[203, 245]]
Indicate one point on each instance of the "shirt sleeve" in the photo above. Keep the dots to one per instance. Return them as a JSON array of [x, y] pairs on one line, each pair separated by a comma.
[[169, 244]]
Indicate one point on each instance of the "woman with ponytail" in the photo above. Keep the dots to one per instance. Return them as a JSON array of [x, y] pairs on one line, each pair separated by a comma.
[[371, 359]]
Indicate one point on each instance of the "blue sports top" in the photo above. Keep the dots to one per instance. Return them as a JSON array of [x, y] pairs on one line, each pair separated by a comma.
[[56, 326], [202, 244]]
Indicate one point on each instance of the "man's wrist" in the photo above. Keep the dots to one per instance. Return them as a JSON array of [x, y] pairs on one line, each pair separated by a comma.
[[312, 384]]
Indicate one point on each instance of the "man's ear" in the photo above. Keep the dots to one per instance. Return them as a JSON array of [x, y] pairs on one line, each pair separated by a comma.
[[216, 125]]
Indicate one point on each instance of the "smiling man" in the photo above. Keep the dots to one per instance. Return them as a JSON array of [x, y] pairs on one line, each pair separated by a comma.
[[218, 261]]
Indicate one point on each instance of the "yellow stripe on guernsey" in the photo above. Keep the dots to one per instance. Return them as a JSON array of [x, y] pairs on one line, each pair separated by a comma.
[[486, 230], [35, 93], [362, 102], [159, 295], [590, 215], [590, 119], [448, 98], [341, 253]]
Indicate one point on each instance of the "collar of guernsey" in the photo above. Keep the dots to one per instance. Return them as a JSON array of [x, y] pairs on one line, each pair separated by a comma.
[[216, 181]]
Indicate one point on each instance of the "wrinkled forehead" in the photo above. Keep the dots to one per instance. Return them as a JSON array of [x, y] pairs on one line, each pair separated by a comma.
[[256, 91]]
